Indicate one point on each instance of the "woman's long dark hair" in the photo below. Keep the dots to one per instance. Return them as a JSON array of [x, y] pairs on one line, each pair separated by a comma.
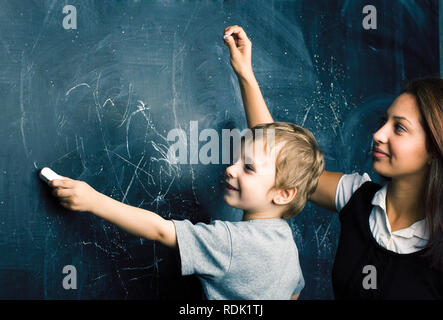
[[429, 96]]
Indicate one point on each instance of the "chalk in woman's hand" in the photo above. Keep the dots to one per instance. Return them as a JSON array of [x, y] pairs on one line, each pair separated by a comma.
[[47, 175], [225, 36]]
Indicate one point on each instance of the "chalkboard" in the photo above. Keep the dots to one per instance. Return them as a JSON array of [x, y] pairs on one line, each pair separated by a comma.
[[96, 102]]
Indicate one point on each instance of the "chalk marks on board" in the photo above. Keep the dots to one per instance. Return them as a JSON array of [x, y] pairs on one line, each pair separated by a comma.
[[151, 169], [76, 86]]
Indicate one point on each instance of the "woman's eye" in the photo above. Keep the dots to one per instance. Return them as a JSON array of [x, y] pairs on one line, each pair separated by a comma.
[[399, 127]]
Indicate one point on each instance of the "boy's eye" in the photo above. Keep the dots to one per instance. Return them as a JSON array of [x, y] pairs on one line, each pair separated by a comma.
[[249, 167]]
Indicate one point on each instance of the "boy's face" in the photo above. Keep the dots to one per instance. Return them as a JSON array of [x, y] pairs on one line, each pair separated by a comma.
[[250, 179]]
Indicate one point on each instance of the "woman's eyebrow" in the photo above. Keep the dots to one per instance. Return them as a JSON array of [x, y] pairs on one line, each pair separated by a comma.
[[402, 118], [387, 115]]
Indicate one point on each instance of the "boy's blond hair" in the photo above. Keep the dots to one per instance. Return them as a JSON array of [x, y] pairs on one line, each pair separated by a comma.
[[299, 162]]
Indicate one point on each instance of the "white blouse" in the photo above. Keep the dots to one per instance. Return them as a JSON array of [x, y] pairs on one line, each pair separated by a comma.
[[399, 241]]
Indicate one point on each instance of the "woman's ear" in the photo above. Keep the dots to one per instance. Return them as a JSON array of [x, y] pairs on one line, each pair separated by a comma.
[[284, 196]]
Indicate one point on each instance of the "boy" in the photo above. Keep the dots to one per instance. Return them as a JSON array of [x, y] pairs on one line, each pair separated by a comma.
[[251, 259]]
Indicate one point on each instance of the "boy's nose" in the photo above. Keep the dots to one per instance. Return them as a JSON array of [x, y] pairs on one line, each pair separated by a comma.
[[230, 172]]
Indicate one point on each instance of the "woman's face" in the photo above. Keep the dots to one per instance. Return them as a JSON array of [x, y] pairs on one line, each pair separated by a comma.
[[400, 144]]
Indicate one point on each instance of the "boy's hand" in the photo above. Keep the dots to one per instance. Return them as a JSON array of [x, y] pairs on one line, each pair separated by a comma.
[[240, 48], [74, 194]]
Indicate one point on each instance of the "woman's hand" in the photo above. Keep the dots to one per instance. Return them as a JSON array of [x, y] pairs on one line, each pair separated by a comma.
[[240, 48], [74, 194]]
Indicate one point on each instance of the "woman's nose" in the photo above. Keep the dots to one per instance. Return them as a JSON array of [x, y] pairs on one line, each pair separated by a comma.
[[381, 135]]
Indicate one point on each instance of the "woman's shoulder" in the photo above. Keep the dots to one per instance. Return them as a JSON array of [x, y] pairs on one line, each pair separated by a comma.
[[348, 184]]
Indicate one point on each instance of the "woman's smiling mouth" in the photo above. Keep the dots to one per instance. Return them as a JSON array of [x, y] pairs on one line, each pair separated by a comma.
[[378, 153]]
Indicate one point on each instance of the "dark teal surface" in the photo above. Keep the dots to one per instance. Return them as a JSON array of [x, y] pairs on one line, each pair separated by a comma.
[[96, 104]]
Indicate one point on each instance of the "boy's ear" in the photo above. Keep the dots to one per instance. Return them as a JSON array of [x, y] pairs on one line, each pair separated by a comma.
[[284, 196]]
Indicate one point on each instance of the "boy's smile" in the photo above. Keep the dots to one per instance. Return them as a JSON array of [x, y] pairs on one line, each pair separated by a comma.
[[229, 187]]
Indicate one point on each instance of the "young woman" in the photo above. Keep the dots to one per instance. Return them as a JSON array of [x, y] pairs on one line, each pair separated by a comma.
[[391, 240]]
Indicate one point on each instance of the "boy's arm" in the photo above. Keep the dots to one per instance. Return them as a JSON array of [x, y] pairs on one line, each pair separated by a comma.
[[255, 107], [139, 222], [79, 196], [240, 48]]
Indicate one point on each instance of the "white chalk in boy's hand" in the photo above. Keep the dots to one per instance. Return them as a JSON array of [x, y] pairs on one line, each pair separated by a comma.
[[47, 175]]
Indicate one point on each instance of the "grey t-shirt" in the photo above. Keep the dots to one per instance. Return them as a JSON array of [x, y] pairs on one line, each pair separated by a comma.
[[254, 260]]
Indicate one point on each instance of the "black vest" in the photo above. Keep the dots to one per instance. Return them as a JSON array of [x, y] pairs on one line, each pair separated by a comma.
[[365, 270]]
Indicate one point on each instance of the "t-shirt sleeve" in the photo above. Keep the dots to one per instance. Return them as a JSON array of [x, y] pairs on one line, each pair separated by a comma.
[[300, 284], [205, 249], [347, 185]]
